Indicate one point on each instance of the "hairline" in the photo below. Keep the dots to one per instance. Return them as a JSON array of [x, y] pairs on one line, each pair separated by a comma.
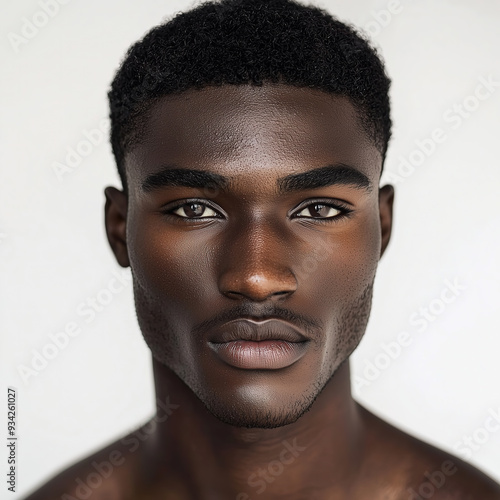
[[135, 136]]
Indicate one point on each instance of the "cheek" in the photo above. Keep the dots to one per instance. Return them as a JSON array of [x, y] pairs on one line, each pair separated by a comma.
[[164, 263], [345, 261], [362, 251]]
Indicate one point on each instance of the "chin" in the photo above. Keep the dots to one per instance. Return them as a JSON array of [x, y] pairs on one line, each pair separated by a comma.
[[253, 407], [258, 418]]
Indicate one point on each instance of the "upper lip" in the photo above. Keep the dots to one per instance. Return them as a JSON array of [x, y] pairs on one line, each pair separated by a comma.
[[247, 328]]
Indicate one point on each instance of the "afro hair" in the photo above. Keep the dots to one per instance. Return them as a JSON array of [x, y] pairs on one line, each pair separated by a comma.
[[237, 42]]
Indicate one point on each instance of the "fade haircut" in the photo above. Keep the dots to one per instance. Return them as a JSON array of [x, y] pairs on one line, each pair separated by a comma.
[[240, 42]]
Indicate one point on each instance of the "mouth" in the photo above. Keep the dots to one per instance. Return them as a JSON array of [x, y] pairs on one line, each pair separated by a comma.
[[259, 345]]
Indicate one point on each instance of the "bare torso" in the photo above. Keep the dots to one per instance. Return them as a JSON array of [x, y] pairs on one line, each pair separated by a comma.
[[393, 466]]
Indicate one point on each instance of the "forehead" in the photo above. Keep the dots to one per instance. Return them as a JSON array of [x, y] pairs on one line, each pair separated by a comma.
[[252, 132]]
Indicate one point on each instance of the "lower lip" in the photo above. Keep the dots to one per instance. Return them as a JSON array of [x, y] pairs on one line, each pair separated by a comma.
[[263, 355]]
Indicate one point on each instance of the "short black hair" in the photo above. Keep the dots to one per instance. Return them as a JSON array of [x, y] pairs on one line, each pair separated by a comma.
[[248, 42]]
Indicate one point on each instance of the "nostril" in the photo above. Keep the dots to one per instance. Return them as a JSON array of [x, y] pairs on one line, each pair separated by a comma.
[[257, 286]]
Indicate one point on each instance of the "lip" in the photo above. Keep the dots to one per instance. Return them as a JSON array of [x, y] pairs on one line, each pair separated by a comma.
[[263, 355], [256, 331], [259, 345]]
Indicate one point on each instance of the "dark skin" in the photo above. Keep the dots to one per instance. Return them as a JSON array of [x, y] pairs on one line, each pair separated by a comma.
[[303, 249]]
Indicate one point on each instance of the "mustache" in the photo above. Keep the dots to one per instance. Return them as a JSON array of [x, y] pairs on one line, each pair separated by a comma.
[[308, 324]]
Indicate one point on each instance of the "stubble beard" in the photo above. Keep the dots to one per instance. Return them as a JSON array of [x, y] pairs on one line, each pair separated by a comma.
[[162, 341]]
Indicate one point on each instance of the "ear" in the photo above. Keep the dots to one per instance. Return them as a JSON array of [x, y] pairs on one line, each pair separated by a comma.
[[115, 219], [385, 201]]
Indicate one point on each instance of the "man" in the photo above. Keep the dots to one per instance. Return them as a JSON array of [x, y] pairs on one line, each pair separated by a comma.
[[250, 136]]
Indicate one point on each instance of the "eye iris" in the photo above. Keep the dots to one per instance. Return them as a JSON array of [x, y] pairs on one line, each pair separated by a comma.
[[320, 210], [194, 209]]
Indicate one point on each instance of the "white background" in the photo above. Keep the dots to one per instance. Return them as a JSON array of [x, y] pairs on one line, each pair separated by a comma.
[[54, 254]]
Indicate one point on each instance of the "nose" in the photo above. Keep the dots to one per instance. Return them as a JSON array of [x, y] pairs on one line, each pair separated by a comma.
[[256, 265]]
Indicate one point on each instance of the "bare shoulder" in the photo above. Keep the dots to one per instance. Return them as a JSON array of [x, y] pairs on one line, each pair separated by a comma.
[[415, 470], [110, 473]]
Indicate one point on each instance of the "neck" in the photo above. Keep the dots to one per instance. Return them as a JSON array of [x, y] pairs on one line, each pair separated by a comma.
[[322, 449]]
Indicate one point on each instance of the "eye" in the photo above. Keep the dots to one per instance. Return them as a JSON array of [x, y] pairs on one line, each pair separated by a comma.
[[194, 210], [319, 210]]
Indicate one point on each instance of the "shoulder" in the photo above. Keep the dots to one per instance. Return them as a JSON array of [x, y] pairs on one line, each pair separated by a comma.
[[419, 471], [446, 477], [107, 473]]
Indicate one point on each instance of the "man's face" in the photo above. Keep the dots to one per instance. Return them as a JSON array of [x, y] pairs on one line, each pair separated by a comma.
[[254, 243]]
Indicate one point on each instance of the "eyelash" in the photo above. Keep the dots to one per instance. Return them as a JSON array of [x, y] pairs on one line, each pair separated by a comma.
[[345, 211]]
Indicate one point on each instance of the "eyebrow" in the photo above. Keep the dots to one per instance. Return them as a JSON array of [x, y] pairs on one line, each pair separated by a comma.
[[329, 175], [187, 177], [324, 176]]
